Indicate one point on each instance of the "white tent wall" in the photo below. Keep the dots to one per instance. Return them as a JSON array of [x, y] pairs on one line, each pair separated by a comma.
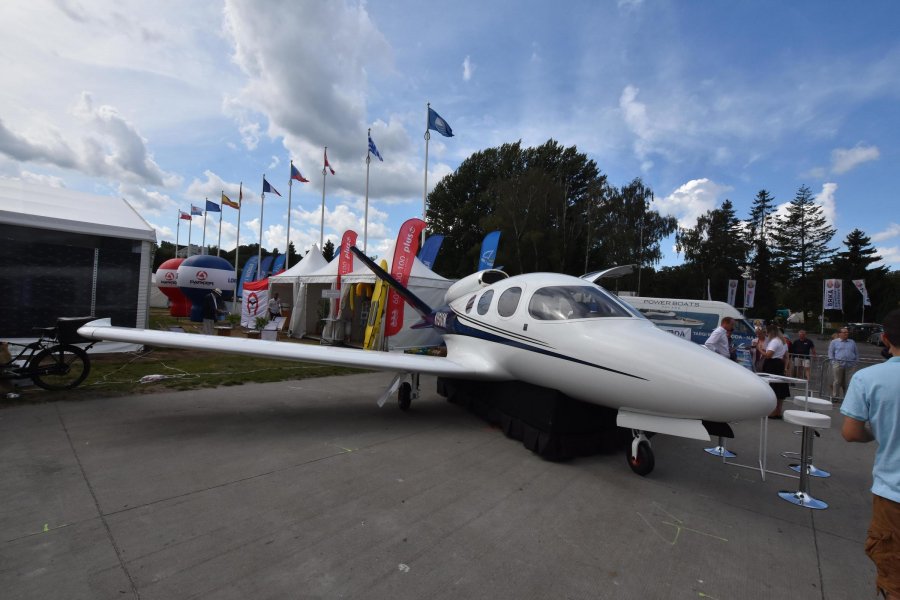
[[287, 284]]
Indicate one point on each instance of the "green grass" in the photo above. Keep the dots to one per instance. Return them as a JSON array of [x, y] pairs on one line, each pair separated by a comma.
[[171, 369]]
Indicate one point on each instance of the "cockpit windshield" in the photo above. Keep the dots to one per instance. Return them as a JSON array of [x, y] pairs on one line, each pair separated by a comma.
[[559, 303]]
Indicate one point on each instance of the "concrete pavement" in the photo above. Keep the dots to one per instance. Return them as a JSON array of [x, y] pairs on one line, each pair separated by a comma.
[[307, 489]]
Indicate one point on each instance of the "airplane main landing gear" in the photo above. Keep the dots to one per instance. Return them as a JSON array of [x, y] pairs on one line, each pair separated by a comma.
[[407, 392], [640, 455]]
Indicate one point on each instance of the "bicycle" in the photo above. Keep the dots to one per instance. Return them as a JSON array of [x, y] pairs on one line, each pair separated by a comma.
[[53, 362]]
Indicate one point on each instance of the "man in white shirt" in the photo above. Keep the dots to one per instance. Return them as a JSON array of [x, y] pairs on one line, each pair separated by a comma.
[[718, 342]]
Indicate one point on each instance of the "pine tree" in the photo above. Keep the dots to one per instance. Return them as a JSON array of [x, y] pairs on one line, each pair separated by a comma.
[[760, 265], [853, 264], [801, 241], [716, 248]]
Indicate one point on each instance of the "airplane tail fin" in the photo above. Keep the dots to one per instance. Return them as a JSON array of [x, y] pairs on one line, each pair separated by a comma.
[[419, 305]]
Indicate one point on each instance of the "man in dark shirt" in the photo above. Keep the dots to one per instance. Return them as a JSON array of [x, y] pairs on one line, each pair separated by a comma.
[[801, 350]]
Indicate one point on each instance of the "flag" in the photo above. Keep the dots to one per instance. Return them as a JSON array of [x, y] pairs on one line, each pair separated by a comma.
[[438, 124], [212, 206], [327, 166], [229, 202], [488, 250], [861, 287], [295, 174], [196, 211], [833, 295], [374, 150], [404, 252], [184, 215], [749, 292], [732, 290], [241, 193], [267, 187]]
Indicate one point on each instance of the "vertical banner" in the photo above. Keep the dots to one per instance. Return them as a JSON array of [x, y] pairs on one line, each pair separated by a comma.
[[430, 250], [345, 264], [861, 286], [833, 295], [488, 250], [404, 256], [749, 292], [732, 291]]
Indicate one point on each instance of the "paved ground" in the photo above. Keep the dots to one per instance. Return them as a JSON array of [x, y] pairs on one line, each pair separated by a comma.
[[309, 490]]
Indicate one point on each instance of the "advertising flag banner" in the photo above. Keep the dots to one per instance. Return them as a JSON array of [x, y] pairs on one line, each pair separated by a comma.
[[488, 250], [749, 293], [345, 259], [404, 256], [861, 286], [255, 302], [430, 249], [732, 291], [833, 295]]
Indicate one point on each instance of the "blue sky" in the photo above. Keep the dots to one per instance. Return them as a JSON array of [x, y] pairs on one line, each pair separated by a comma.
[[167, 103]]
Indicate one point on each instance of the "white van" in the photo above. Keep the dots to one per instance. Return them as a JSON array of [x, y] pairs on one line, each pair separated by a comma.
[[693, 320]]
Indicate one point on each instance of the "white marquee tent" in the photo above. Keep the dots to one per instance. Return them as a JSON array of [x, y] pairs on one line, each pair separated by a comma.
[[286, 284]]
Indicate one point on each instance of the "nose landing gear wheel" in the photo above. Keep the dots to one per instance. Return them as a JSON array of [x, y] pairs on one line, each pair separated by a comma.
[[642, 460], [404, 396]]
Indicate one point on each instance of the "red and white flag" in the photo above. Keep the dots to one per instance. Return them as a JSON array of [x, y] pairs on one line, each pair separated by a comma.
[[404, 256], [327, 164]]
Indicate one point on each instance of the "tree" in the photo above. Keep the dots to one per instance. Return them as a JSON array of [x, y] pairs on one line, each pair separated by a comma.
[[716, 248], [328, 250], [541, 199], [759, 265], [801, 244], [853, 264]]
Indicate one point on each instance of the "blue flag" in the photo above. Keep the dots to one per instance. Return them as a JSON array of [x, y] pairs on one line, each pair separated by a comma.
[[374, 150], [196, 211], [267, 187], [438, 124], [212, 206], [489, 250], [429, 251]]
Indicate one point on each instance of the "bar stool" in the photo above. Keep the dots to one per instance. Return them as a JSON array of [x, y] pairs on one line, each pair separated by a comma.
[[815, 405], [809, 421]]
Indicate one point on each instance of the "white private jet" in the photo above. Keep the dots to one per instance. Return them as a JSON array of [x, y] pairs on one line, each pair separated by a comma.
[[547, 330]]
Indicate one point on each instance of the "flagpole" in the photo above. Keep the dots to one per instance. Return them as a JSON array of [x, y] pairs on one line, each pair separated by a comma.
[[221, 210], [287, 246], [205, 212], [190, 231], [427, 138], [177, 232], [262, 203], [322, 219], [366, 217], [237, 243]]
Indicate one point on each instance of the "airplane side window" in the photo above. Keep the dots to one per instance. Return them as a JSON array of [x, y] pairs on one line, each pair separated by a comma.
[[574, 302], [470, 304], [485, 302], [509, 301]]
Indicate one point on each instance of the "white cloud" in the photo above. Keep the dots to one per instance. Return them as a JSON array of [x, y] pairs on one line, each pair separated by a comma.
[[691, 200], [890, 255], [846, 159], [892, 231], [468, 69], [826, 199]]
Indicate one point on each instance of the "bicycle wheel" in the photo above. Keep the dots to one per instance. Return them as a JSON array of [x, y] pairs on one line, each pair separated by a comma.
[[60, 367]]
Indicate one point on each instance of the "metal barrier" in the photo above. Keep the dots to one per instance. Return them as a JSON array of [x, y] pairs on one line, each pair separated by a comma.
[[821, 373]]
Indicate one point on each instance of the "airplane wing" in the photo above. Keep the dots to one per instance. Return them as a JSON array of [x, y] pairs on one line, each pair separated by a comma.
[[326, 355]]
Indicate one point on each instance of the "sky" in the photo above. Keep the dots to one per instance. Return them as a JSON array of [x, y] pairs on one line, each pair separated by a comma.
[[168, 103]]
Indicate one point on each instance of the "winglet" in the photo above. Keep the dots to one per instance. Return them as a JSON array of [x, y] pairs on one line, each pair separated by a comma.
[[417, 303]]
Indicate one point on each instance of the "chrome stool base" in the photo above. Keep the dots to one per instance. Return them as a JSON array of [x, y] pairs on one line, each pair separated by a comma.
[[803, 499]]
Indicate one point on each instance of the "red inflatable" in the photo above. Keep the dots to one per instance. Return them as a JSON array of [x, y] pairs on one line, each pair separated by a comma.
[[167, 282]]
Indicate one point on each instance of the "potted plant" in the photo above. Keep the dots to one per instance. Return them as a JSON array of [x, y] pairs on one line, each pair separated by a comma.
[[266, 334], [229, 322]]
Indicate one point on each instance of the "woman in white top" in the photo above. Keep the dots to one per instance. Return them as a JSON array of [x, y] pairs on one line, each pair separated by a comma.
[[776, 349]]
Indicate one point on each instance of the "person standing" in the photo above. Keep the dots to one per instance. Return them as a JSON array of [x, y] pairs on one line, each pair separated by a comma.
[[719, 340], [871, 411], [843, 355], [803, 350], [758, 349], [213, 306], [776, 349], [274, 307]]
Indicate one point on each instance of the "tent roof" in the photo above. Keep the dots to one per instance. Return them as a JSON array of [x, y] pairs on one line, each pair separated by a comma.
[[59, 209], [313, 261]]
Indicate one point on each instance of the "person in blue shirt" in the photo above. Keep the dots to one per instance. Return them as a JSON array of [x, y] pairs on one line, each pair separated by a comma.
[[843, 355], [871, 411]]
